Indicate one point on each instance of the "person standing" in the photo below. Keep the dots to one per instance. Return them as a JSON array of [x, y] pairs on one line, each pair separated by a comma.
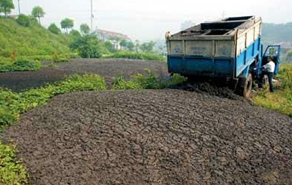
[[269, 69]]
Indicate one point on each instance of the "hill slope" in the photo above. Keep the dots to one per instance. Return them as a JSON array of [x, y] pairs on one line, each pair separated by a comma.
[[275, 33], [32, 42]]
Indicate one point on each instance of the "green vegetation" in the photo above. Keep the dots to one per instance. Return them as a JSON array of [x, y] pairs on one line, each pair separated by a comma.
[[84, 29], [281, 100], [135, 55], [67, 24], [6, 6], [11, 170], [88, 46], [148, 81], [129, 45], [23, 20], [20, 65], [13, 104], [54, 29], [22, 40], [38, 12]]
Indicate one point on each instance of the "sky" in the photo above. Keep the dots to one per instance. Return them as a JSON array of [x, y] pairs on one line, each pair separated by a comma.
[[150, 19]]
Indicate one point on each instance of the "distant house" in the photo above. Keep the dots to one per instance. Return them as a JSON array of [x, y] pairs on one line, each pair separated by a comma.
[[114, 37]]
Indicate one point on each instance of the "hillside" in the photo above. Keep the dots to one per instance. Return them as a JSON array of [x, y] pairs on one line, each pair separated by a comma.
[[34, 42], [275, 33]]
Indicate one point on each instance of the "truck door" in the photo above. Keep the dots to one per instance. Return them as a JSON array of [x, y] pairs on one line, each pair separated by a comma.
[[273, 51]]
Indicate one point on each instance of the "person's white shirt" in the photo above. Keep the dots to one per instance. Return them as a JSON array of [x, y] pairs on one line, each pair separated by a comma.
[[270, 67]]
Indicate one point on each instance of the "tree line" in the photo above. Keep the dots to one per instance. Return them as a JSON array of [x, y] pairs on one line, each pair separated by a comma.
[[85, 43]]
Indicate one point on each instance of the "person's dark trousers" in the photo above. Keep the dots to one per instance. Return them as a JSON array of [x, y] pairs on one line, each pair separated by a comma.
[[270, 77]]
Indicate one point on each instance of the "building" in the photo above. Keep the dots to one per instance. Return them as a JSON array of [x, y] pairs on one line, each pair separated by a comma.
[[114, 37]]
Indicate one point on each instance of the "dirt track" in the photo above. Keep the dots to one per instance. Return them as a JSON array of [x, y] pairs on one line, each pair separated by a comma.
[[153, 137], [108, 68]]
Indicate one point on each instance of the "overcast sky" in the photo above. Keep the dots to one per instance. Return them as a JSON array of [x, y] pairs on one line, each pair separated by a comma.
[[150, 19]]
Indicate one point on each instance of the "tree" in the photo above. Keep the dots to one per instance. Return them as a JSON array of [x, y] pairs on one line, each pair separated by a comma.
[[124, 43], [109, 46], [54, 29], [23, 20], [67, 24], [127, 45], [88, 46], [38, 12], [131, 46], [6, 6], [75, 33], [85, 29], [147, 46]]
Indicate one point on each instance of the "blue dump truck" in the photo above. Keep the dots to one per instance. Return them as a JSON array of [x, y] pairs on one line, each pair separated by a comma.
[[228, 49]]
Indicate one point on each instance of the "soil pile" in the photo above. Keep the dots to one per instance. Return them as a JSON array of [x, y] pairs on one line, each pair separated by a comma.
[[153, 137]]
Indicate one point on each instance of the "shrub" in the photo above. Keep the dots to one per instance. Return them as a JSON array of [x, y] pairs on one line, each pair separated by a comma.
[[11, 171], [88, 46], [54, 29], [20, 65], [23, 20], [135, 55], [148, 81]]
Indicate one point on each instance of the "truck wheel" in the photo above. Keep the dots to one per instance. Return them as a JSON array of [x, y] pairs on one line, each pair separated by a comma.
[[245, 86]]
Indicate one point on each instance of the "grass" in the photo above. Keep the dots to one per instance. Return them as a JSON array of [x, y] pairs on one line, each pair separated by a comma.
[[21, 48], [281, 99], [148, 81], [33, 42], [12, 172], [135, 55]]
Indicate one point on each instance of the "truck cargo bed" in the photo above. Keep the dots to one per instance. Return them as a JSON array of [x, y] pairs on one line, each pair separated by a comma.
[[222, 48]]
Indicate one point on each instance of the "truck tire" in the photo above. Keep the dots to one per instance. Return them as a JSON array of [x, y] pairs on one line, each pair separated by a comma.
[[245, 86]]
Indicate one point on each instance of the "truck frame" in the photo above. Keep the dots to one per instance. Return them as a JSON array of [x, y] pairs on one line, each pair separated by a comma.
[[228, 49]]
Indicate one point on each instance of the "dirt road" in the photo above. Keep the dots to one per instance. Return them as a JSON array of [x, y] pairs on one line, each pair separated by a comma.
[[153, 137]]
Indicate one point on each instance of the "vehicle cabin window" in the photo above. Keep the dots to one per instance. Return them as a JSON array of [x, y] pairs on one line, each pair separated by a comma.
[[272, 52]]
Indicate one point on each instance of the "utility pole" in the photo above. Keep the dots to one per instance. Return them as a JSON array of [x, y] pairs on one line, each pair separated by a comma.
[[92, 16], [19, 6]]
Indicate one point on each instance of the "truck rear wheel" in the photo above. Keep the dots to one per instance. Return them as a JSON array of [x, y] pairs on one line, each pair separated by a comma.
[[245, 86]]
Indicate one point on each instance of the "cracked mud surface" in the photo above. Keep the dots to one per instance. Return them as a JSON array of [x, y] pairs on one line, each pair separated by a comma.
[[153, 137]]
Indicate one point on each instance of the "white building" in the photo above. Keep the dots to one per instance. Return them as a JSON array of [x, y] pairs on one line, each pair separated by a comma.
[[114, 37]]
